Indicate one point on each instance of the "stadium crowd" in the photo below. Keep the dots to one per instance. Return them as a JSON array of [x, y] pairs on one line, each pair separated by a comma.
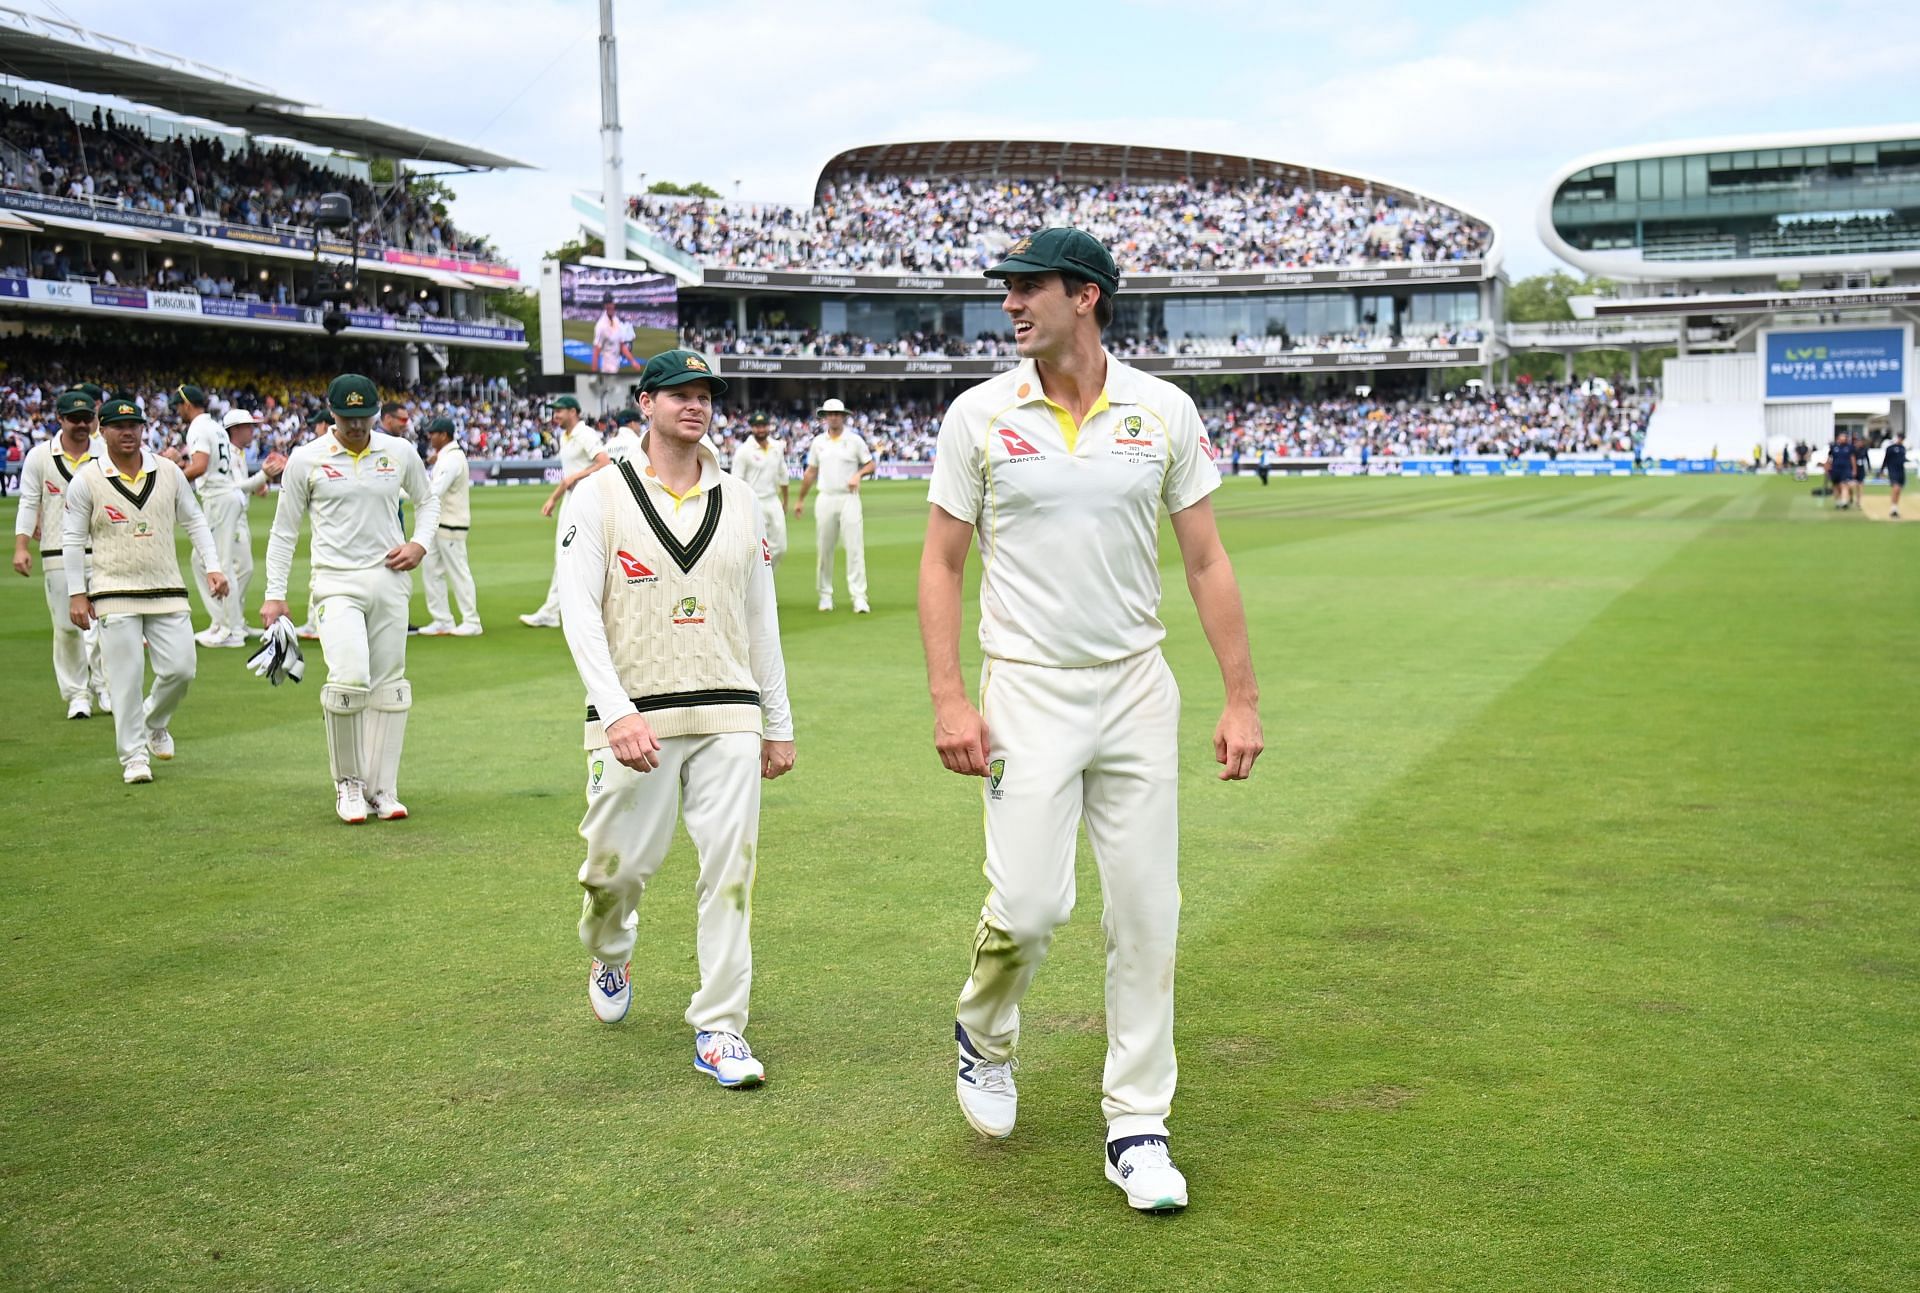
[[806, 342], [45, 149], [898, 225]]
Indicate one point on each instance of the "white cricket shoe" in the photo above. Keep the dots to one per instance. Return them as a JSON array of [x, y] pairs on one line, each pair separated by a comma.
[[986, 1090], [609, 990], [826, 603], [79, 708], [385, 806], [728, 1059], [211, 636], [349, 802], [1144, 1171], [539, 621], [467, 629], [136, 772], [237, 638], [104, 701], [437, 629], [861, 608], [308, 633], [160, 743]]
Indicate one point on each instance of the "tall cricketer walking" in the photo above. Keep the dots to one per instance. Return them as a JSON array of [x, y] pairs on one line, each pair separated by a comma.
[[1061, 467], [668, 606], [761, 461], [581, 454], [46, 475], [126, 508], [350, 481]]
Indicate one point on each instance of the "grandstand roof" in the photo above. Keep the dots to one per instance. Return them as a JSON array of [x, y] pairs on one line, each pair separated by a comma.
[[35, 48]]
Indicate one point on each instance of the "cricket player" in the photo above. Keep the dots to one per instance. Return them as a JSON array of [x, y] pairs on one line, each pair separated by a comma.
[[351, 481], [1061, 467], [581, 453], [46, 474], [668, 608], [216, 463], [1895, 465], [612, 340], [761, 461], [838, 461], [446, 565], [628, 438], [125, 507]]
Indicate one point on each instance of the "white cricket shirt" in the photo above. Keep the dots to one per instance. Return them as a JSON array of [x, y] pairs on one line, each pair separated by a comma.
[[355, 503], [607, 335], [207, 436], [578, 448], [764, 470], [837, 458], [1069, 520]]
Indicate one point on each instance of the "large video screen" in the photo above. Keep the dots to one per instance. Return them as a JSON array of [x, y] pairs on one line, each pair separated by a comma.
[[614, 320], [1822, 363]]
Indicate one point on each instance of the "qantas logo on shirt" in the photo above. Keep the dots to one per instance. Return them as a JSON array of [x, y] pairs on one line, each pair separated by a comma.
[[330, 473], [52, 488], [1017, 447], [766, 552], [115, 515], [634, 569]]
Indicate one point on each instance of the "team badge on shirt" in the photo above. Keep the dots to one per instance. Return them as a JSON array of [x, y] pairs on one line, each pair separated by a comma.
[[142, 530], [383, 466], [688, 610], [1131, 432]]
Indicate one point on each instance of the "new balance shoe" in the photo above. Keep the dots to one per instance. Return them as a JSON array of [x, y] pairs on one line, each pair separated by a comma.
[[349, 801], [1144, 1171], [986, 1090], [160, 743], [727, 1059], [136, 772], [79, 708], [467, 629], [609, 990], [385, 806], [438, 629]]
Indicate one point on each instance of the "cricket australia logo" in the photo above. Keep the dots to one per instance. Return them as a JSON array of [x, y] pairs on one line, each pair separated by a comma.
[[689, 610], [598, 771], [995, 772], [142, 530], [1131, 432]]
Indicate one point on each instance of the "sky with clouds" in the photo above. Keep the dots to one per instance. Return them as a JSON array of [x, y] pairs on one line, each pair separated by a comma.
[[1477, 102]]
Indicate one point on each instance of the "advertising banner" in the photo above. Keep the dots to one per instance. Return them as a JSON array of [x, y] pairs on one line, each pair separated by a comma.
[[896, 368], [1241, 280], [50, 293], [1822, 363]]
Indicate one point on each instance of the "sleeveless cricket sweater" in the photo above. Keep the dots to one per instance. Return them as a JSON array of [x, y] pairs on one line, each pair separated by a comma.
[[676, 610], [53, 502], [134, 569]]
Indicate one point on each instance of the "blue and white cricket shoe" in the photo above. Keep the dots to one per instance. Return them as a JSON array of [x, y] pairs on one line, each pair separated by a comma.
[[986, 1091], [1144, 1171], [609, 990], [727, 1059]]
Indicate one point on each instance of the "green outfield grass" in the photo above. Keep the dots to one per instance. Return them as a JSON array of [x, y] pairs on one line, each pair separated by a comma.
[[1567, 938]]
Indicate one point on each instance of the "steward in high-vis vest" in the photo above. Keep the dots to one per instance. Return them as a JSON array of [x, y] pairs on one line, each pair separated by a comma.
[[126, 508], [667, 602]]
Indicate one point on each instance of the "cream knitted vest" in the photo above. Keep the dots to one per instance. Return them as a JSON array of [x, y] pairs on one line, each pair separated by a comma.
[[676, 612], [134, 570], [454, 510], [53, 502]]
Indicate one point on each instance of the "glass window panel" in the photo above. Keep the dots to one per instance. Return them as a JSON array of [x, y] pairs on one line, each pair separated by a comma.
[[1742, 162], [1766, 159], [1650, 180], [1671, 186], [1793, 156], [1628, 183], [1696, 173]]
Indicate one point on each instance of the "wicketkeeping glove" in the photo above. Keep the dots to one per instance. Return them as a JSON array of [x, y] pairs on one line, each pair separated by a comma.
[[279, 658]]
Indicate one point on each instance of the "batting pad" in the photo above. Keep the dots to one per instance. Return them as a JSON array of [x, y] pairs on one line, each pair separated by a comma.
[[346, 710], [386, 728]]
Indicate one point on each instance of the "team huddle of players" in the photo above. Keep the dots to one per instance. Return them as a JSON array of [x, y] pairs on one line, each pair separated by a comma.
[[1058, 470]]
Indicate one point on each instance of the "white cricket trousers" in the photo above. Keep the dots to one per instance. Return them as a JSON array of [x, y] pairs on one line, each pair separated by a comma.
[[362, 618], [169, 648], [837, 519], [715, 782], [233, 541], [446, 567], [77, 665], [773, 514], [1099, 745]]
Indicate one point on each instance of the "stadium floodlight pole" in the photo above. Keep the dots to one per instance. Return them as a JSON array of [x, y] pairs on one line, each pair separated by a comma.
[[613, 200]]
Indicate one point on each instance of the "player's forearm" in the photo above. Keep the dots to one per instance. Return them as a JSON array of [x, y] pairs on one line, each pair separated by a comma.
[[765, 657], [1216, 596], [940, 585], [281, 542], [199, 533], [73, 537]]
